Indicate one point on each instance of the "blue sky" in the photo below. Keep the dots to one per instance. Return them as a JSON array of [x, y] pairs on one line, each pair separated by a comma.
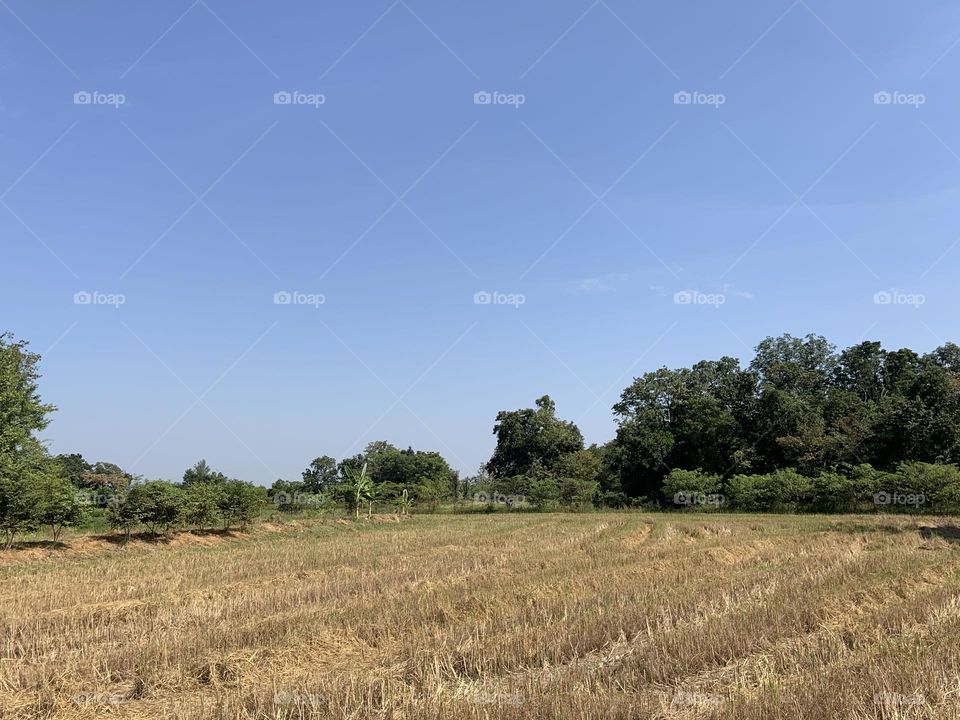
[[616, 226]]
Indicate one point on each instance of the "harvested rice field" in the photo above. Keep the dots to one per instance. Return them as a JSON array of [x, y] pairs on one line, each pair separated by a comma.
[[605, 615]]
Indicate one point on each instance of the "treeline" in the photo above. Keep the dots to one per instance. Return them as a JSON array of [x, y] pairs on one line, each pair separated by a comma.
[[803, 427]]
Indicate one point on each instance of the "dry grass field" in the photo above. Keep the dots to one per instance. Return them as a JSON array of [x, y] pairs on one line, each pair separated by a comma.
[[609, 615]]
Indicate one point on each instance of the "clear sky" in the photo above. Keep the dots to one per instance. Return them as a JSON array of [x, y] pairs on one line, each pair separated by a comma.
[[181, 164]]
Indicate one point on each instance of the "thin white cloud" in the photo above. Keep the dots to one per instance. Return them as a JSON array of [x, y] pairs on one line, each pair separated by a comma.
[[733, 291], [600, 284]]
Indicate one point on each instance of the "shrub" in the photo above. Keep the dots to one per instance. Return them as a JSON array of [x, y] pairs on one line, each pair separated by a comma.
[[779, 491], [576, 493], [834, 492], [240, 502], [17, 507], [923, 486], [159, 504], [201, 503], [58, 504], [123, 512], [692, 489]]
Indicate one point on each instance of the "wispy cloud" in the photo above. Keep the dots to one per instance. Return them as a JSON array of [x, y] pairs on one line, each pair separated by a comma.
[[600, 284], [731, 290]]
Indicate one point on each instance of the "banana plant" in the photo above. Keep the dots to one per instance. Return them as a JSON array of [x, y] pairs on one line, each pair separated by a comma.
[[362, 489], [404, 503], [374, 494]]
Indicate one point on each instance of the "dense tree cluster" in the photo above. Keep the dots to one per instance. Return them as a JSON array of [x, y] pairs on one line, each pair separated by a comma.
[[800, 405], [803, 427]]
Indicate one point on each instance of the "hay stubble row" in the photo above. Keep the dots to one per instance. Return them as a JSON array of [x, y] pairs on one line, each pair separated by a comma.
[[615, 615]]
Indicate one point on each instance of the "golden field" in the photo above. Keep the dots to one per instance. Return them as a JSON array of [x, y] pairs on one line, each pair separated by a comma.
[[606, 615]]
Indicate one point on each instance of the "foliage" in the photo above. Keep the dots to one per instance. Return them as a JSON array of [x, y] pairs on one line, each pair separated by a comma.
[[321, 475], [240, 502], [58, 504], [531, 436], [201, 503]]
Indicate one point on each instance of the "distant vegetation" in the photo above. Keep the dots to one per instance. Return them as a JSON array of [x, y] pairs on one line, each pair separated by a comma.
[[802, 428]]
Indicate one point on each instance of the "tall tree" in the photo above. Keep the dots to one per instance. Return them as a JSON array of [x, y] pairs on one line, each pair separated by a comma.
[[531, 436], [320, 475]]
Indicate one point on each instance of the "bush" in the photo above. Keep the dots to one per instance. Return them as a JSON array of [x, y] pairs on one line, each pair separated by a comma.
[[779, 491], [240, 502], [123, 512], [692, 489], [201, 503], [158, 504], [17, 507], [921, 486], [58, 504], [834, 492], [576, 493]]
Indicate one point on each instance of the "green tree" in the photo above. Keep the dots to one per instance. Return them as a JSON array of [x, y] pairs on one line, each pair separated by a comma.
[[240, 502], [201, 472], [73, 467], [58, 503], [21, 411], [201, 503], [21, 475], [321, 475], [529, 436], [159, 504], [23, 460]]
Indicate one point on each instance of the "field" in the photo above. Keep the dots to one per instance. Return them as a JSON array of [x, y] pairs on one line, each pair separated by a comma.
[[607, 615]]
